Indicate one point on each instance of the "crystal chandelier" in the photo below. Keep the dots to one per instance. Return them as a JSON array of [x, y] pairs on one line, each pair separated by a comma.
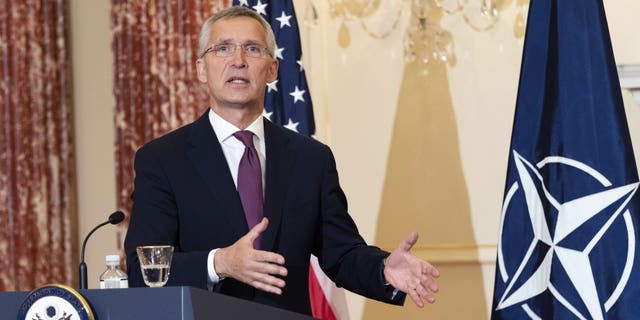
[[424, 40]]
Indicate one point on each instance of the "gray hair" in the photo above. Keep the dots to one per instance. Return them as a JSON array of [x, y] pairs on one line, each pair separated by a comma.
[[234, 12]]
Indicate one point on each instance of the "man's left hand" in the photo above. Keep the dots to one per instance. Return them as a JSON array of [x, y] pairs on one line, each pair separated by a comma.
[[409, 274]]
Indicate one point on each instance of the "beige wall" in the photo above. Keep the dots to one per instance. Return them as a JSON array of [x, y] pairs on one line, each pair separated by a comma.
[[367, 103], [95, 132]]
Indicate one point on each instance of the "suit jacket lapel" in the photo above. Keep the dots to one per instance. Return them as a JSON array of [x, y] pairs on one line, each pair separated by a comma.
[[279, 163], [208, 158]]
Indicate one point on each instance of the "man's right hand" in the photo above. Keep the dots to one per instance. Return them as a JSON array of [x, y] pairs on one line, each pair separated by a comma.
[[256, 268]]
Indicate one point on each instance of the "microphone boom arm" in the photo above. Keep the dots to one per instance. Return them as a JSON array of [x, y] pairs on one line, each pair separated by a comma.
[[84, 243], [114, 218]]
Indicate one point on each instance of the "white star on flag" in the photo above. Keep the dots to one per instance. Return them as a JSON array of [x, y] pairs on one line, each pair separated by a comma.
[[284, 20], [244, 3], [279, 52], [299, 62], [297, 95], [292, 125], [272, 86], [266, 114], [260, 8]]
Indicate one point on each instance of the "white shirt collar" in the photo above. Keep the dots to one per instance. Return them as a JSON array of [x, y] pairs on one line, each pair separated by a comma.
[[224, 129]]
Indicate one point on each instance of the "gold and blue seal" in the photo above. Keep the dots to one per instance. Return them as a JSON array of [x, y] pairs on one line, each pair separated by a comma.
[[55, 302]]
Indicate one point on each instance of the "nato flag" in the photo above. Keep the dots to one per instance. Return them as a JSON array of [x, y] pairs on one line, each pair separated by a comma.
[[568, 244]]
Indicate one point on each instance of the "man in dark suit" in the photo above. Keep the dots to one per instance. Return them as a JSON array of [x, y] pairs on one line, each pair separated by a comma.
[[200, 189]]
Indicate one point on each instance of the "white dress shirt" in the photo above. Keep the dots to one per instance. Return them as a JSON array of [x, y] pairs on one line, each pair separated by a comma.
[[233, 150]]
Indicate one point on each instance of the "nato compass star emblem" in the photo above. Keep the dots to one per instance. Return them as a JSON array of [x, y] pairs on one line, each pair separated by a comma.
[[551, 264]]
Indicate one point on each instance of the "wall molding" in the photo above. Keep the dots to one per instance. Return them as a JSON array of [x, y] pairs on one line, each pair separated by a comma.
[[629, 75]]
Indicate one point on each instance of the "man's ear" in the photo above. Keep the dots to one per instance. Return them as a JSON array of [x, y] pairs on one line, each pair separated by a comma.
[[273, 70], [201, 70]]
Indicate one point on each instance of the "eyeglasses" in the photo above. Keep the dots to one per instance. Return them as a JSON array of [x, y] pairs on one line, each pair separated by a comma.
[[228, 49]]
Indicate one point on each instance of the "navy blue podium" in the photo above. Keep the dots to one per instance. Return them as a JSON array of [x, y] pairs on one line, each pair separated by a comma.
[[175, 303]]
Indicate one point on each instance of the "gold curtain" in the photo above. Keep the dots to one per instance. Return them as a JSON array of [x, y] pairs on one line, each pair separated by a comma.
[[37, 193], [155, 87]]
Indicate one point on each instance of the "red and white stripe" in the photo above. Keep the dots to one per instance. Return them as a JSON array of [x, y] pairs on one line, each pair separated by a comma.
[[328, 302]]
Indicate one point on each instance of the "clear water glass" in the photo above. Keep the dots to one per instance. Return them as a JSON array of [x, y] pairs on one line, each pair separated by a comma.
[[155, 264]]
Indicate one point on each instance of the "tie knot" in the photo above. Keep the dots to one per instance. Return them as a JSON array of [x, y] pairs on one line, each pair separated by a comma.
[[246, 137]]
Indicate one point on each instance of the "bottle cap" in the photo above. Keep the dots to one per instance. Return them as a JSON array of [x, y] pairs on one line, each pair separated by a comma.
[[113, 259]]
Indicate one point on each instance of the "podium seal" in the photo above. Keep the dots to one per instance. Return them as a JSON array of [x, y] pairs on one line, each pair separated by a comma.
[[55, 302]]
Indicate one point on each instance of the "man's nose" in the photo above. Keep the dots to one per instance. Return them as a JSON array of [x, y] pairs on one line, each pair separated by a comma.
[[239, 58]]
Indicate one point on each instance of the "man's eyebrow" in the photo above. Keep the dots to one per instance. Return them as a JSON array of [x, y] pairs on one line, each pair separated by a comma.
[[224, 41], [231, 41], [252, 42]]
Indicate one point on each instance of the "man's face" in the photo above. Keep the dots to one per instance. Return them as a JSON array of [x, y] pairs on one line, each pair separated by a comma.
[[236, 81]]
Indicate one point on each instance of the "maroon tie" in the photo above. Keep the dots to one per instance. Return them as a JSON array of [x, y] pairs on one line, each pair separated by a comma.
[[250, 181]]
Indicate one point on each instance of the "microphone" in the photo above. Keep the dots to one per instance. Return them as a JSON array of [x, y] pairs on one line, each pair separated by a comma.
[[114, 218]]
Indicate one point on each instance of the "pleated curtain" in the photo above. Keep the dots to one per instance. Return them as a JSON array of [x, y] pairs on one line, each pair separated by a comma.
[[37, 194]]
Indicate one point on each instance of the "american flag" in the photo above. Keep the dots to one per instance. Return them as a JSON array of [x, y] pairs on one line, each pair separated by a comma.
[[288, 103], [287, 100]]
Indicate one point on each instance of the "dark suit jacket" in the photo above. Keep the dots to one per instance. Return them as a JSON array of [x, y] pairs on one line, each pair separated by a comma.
[[185, 196]]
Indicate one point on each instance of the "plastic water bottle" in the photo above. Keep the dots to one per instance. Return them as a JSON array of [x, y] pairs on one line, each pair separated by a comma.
[[113, 277]]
